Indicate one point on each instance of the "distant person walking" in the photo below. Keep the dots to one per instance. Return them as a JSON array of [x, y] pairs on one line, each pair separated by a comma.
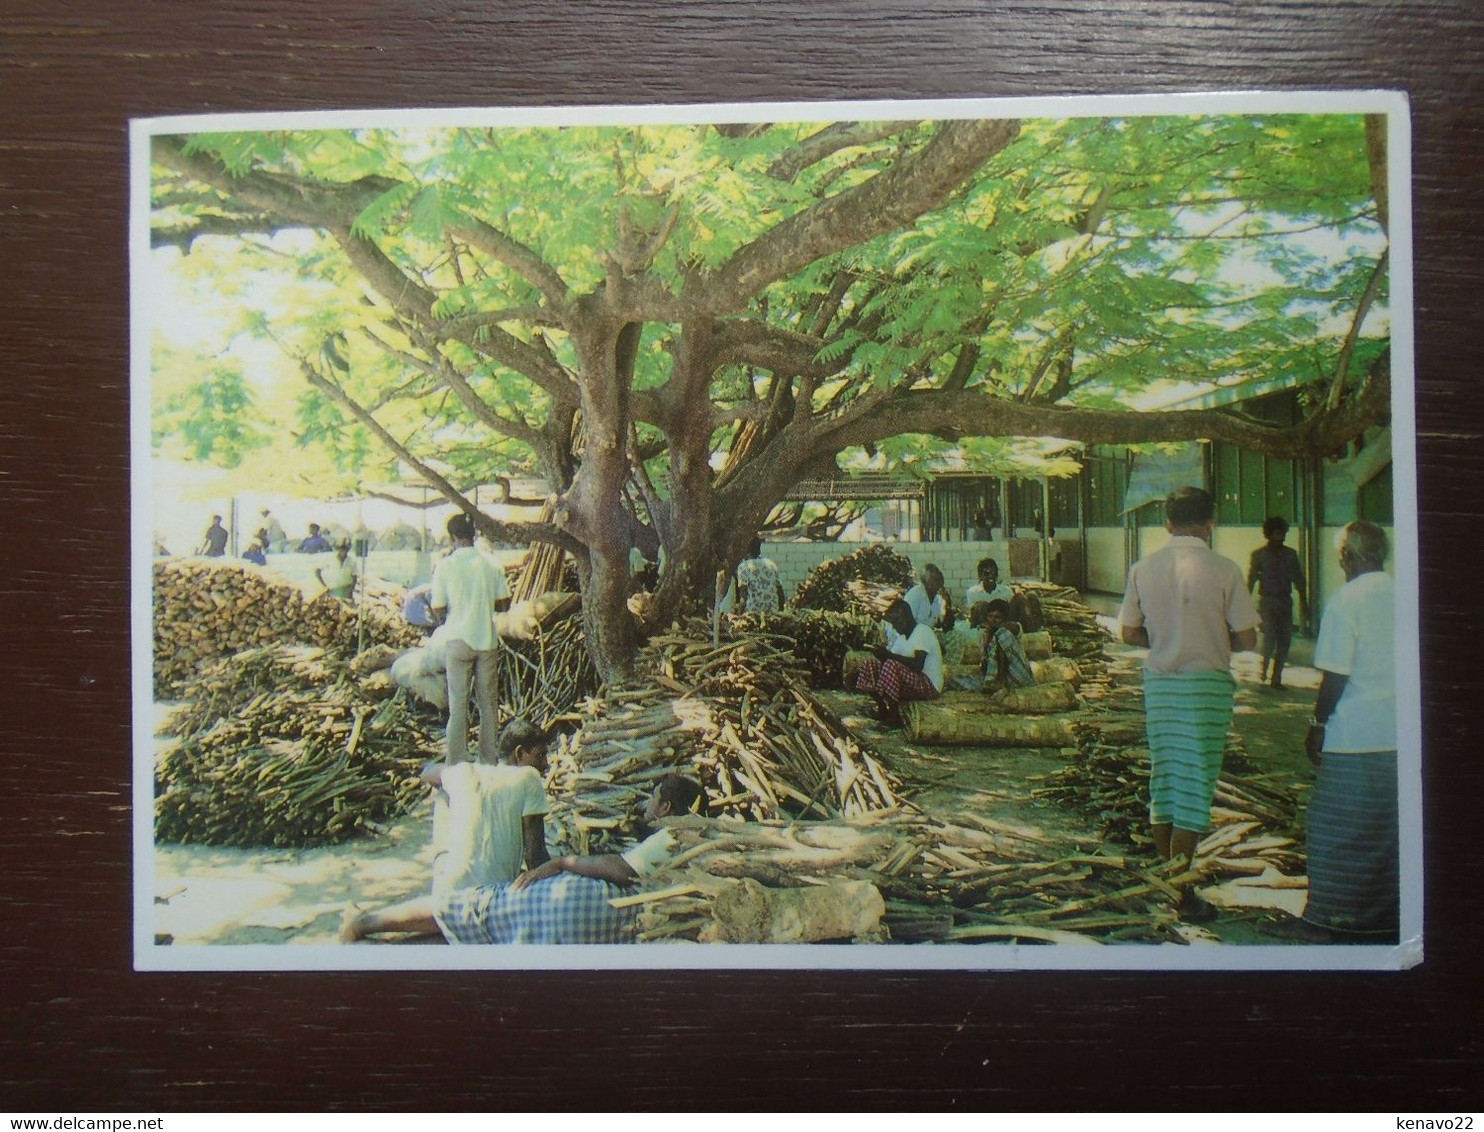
[[467, 591], [1352, 820], [214, 545], [1276, 571], [1188, 606]]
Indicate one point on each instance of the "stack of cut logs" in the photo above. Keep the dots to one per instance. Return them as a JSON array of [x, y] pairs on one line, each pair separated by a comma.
[[736, 716], [818, 638], [543, 676], [281, 746], [827, 586], [205, 610], [898, 876], [1072, 624]]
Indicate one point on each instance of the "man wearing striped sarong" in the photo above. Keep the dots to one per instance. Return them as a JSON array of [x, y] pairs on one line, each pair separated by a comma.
[[1190, 607], [1352, 819]]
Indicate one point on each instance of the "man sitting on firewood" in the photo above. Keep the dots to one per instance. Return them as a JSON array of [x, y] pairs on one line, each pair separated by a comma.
[[910, 667], [1005, 663], [565, 900]]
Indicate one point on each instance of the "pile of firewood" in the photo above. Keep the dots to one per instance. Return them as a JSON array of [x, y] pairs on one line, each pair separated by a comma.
[[1072, 624], [543, 677], [871, 599], [736, 716], [282, 746], [204, 610], [964, 880], [827, 586], [818, 638]]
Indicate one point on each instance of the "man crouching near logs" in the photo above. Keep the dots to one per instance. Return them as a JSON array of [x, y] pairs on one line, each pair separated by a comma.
[[1190, 607], [564, 900]]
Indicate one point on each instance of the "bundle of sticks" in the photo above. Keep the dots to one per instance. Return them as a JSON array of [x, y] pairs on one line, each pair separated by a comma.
[[542, 678], [826, 587], [544, 569], [280, 746], [818, 638], [738, 717]]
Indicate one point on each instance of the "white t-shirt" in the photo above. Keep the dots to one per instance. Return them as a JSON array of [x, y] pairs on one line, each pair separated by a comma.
[[468, 584], [922, 639], [337, 574], [1190, 599], [1357, 638], [976, 593], [477, 835], [927, 612], [651, 854]]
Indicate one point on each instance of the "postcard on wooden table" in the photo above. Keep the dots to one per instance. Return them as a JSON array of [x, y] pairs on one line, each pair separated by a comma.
[[971, 535]]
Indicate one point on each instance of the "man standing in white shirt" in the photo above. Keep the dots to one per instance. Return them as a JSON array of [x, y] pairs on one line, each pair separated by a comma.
[[468, 589], [1190, 608], [1352, 820]]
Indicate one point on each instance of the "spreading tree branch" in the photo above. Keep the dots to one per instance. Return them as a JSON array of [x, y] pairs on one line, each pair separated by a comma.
[[831, 140], [1347, 351], [531, 532], [889, 201]]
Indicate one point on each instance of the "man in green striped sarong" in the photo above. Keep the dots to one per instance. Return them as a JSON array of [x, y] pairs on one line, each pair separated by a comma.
[[1190, 607]]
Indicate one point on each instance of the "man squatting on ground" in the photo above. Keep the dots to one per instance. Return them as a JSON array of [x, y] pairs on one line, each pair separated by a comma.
[[565, 900], [468, 589], [1352, 820], [1188, 605], [1276, 571]]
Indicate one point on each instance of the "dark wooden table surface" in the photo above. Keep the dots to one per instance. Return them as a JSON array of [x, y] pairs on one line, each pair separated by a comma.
[[82, 1031]]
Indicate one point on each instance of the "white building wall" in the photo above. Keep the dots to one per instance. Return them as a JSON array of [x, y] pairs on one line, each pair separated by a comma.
[[1106, 570]]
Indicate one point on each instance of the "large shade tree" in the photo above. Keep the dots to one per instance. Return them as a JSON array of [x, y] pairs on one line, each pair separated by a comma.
[[680, 322]]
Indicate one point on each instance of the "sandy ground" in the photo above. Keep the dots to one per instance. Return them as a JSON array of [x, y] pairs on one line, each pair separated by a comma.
[[209, 895]]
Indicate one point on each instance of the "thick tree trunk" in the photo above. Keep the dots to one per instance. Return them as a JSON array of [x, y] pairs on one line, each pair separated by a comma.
[[593, 506], [690, 559]]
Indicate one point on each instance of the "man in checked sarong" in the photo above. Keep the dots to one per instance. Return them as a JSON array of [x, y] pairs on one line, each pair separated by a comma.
[[908, 667], [1190, 607], [565, 900]]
